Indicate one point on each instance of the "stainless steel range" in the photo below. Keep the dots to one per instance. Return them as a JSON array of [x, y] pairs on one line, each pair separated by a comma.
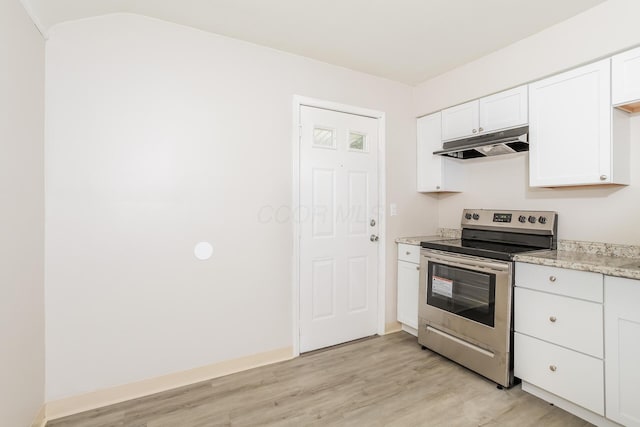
[[466, 287]]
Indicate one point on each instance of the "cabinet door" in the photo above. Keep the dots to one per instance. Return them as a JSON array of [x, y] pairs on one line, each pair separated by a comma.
[[460, 121], [504, 110], [435, 173], [408, 283], [622, 349], [570, 128], [625, 79]]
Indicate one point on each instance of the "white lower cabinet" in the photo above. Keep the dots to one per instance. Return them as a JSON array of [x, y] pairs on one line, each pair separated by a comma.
[[408, 282], [622, 348], [558, 342]]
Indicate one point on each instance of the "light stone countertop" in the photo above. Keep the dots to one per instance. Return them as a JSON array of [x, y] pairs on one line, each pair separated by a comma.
[[442, 234], [415, 240], [609, 264]]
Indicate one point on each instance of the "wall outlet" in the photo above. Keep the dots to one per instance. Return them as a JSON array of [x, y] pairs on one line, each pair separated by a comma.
[[393, 209]]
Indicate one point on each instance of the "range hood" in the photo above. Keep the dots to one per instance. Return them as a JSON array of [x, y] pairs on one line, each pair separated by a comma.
[[491, 144]]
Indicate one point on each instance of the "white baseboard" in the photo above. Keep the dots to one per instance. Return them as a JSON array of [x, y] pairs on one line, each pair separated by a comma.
[[85, 402], [576, 410]]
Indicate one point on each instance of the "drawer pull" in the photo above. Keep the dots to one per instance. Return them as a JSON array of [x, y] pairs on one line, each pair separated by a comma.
[[417, 267], [553, 368], [552, 319], [552, 278], [408, 253]]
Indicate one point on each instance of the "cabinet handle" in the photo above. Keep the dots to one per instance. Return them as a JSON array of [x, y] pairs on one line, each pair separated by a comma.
[[480, 129], [437, 187], [474, 131], [408, 253], [417, 267], [553, 368], [552, 319], [552, 278], [603, 177]]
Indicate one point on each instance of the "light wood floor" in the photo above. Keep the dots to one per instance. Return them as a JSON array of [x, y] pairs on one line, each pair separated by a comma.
[[382, 381]]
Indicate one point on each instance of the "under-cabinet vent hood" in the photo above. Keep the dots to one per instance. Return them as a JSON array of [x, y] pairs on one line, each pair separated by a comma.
[[491, 144]]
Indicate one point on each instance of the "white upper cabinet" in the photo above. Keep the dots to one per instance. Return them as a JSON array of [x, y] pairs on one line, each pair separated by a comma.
[[625, 79], [500, 111], [571, 127], [460, 121], [504, 110], [435, 173]]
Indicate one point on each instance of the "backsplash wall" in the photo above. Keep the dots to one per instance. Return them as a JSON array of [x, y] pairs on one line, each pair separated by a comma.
[[596, 213]]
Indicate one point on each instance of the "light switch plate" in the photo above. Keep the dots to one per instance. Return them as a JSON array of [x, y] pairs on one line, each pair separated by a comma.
[[393, 209]]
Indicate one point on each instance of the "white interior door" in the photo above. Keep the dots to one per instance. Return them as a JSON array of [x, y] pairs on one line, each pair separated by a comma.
[[338, 227]]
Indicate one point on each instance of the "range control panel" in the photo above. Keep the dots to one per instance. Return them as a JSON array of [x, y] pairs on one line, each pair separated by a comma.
[[523, 221]]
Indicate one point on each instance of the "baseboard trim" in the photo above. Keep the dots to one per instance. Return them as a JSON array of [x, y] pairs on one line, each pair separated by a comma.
[[40, 420], [392, 327], [571, 407], [410, 330], [109, 396]]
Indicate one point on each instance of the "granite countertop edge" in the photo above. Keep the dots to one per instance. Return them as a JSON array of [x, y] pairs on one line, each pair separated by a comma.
[[604, 258], [617, 266]]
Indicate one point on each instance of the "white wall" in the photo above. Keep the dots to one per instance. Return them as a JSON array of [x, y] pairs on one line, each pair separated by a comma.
[[596, 214], [21, 217], [159, 136]]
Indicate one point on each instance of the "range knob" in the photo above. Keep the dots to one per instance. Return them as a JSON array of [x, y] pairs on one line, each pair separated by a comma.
[[542, 220], [522, 218], [476, 216], [467, 216], [532, 219]]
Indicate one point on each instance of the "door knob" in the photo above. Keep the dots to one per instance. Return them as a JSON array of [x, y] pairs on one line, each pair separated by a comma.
[[373, 238]]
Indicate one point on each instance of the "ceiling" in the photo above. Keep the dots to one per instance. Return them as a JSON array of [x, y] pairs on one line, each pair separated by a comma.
[[408, 41]]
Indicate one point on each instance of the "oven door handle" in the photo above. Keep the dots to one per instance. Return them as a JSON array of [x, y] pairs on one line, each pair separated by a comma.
[[459, 261]]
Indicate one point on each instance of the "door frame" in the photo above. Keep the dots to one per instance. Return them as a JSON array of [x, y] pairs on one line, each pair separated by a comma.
[[299, 101]]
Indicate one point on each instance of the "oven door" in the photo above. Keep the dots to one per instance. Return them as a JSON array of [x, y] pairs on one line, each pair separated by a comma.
[[467, 297]]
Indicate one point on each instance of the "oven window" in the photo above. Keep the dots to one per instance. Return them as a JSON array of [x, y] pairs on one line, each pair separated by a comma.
[[467, 293]]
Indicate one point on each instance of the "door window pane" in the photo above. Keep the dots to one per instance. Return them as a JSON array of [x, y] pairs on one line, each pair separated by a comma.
[[357, 141], [323, 137]]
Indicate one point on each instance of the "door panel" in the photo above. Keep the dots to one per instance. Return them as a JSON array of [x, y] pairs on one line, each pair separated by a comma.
[[323, 281], [357, 284], [338, 214]]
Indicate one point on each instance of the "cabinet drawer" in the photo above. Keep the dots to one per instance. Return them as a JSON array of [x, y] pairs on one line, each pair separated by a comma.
[[409, 253], [566, 373], [569, 322], [560, 281]]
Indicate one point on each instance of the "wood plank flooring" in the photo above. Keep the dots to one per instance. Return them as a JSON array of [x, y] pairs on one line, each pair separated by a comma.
[[382, 381]]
